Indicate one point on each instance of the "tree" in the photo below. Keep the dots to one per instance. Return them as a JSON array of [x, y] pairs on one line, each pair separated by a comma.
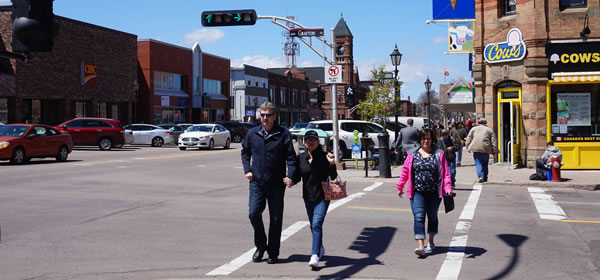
[[435, 100], [379, 101]]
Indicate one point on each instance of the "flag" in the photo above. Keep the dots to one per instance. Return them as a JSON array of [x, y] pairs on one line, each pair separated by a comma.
[[446, 73]]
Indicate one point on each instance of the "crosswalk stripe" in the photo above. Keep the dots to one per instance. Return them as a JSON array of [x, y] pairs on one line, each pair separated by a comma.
[[546, 206]]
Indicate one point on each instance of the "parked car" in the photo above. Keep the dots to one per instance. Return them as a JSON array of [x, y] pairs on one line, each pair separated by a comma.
[[297, 127], [418, 122], [346, 136], [184, 125], [176, 129], [21, 142], [237, 130], [153, 135], [205, 136], [250, 125], [104, 133]]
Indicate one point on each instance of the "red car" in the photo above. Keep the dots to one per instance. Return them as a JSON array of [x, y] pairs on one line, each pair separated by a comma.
[[104, 133], [21, 142]]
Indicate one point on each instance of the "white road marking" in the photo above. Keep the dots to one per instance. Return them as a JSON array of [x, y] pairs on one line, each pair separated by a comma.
[[139, 158], [246, 257], [121, 166], [451, 267], [201, 165], [546, 206]]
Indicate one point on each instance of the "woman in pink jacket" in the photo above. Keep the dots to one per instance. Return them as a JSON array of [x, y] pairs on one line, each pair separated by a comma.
[[428, 177]]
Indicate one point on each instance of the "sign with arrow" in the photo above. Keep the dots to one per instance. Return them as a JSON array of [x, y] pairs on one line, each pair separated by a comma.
[[333, 75]]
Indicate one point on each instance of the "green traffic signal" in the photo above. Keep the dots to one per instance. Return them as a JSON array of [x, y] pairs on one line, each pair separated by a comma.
[[228, 18]]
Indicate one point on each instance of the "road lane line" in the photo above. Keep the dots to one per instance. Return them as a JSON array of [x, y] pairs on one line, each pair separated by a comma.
[[456, 250], [246, 257], [546, 206], [580, 221]]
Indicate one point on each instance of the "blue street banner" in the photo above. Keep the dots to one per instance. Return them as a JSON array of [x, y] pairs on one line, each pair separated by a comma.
[[453, 9], [249, 113]]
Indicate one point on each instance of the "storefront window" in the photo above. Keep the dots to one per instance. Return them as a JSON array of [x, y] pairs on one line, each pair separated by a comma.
[[565, 4], [164, 80], [4, 110], [212, 87], [575, 113]]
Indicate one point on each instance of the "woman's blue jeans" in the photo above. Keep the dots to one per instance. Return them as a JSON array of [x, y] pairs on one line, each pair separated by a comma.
[[425, 204], [316, 211]]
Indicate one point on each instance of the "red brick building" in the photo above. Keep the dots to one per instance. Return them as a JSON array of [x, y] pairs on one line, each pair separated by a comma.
[[90, 72], [537, 78]]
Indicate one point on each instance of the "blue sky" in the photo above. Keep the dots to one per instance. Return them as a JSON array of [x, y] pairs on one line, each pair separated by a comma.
[[376, 27]]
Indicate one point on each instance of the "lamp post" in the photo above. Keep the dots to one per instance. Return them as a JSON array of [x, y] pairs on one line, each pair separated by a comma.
[[136, 89], [396, 57], [428, 87]]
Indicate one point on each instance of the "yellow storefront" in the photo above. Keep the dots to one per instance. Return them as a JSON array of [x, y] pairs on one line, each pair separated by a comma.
[[573, 102]]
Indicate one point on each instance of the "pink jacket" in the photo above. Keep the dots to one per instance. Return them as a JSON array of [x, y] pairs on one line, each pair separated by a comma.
[[406, 176]]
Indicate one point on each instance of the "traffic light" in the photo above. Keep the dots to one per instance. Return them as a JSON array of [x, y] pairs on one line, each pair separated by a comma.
[[318, 94], [33, 26], [228, 18], [350, 96]]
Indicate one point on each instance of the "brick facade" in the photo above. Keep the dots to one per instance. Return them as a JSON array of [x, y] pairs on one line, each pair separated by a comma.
[[48, 87], [539, 21]]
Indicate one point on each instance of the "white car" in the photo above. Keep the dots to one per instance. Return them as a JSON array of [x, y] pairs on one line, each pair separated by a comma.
[[149, 134], [346, 136], [205, 136]]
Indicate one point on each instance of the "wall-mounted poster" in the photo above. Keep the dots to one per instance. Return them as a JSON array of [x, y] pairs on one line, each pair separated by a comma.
[[460, 37], [573, 109]]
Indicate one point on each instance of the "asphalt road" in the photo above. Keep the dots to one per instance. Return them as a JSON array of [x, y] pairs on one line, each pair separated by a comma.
[[161, 213]]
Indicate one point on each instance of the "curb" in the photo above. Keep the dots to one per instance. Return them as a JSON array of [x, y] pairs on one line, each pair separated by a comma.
[[549, 184]]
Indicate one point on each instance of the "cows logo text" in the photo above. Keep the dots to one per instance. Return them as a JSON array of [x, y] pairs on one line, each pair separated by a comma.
[[513, 49]]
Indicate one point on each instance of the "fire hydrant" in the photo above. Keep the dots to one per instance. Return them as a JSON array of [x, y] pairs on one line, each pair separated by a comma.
[[556, 164]]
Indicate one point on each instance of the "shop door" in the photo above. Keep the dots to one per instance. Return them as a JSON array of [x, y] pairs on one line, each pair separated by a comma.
[[509, 125]]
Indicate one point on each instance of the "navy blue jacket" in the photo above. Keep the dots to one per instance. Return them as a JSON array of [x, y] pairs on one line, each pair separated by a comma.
[[269, 156]]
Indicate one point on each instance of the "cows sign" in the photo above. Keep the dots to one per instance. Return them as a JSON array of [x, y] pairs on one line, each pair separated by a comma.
[[460, 37], [513, 49]]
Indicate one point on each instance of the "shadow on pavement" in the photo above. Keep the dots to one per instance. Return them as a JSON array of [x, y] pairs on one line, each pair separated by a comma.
[[470, 252], [372, 242], [514, 241]]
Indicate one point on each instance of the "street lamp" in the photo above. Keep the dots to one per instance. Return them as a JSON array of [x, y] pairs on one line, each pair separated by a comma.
[[396, 57], [136, 90], [428, 87]]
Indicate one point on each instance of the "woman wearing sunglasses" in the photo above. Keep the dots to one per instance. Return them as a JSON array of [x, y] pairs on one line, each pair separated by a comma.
[[427, 174], [314, 166]]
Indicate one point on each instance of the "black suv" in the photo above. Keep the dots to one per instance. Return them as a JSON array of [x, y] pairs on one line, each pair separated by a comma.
[[236, 129]]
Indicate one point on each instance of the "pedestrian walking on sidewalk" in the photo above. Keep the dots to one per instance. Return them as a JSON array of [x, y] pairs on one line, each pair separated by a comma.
[[458, 134], [425, 170], [266, 150], [408, 138], [481, 141], [447, 144], [314, 167]]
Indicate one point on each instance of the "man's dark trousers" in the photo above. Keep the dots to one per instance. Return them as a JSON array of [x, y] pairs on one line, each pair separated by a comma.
[[273, 195]]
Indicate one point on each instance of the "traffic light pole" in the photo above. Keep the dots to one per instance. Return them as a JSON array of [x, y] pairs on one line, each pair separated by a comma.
[[331, 62]]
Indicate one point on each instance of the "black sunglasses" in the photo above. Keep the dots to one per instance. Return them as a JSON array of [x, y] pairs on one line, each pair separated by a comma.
[[265, 115]]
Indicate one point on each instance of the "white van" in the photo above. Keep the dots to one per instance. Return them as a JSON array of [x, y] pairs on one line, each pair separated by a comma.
[[418, 122]]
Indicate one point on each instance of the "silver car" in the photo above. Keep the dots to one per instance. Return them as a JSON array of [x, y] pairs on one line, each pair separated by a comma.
[[205, 136], [150, 134]]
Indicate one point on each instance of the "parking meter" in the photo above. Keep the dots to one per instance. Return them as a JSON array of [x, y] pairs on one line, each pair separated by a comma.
[[355, 132]]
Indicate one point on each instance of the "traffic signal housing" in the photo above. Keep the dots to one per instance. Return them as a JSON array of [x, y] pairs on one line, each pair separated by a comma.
[[33, 26], [350, 95], [228, 18], [319, 94]]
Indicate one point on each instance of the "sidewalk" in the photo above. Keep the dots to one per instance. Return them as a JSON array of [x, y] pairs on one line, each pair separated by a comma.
[[499, 174]]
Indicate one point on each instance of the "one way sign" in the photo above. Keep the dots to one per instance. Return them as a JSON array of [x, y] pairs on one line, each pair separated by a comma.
[[333, 75]]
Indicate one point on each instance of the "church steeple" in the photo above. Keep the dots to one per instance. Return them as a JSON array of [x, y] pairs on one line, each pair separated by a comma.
[[344, 50]]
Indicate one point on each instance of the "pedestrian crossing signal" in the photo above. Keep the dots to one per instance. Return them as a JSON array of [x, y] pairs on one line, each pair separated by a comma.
[[228, 18]]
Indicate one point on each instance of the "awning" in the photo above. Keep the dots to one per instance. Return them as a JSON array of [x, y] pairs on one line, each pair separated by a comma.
[[167, 92], [562, 77]]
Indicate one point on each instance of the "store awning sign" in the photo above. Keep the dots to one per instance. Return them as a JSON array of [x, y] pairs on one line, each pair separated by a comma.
[[573, 57], [88, 74], [513, 49]]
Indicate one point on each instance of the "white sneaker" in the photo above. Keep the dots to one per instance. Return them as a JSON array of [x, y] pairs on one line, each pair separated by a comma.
[[322, 252], [430, 247], [314, 261], [420, 252]]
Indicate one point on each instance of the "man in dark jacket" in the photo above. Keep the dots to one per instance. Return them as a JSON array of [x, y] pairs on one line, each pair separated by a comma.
[[449, 147], [265, 151], [407, 138]]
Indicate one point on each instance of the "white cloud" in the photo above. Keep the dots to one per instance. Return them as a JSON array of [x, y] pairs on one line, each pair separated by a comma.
[[260, 61], [440, 39], [202, 36]]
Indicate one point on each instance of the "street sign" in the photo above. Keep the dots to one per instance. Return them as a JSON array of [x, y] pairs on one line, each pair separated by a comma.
[[306, 32], [333, 75]]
